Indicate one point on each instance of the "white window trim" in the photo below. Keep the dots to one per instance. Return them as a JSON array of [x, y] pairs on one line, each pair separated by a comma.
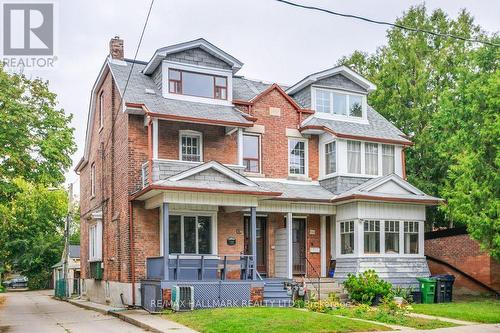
[[306, 158], [191, 133], [227, 73], [363, 119], [183, 213], [359, 251], [323, 159], [92, 180], [101, 110], [97, 244], [259, 137]]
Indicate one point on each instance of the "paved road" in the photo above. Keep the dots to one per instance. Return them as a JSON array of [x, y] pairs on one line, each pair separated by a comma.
[[36, 311]]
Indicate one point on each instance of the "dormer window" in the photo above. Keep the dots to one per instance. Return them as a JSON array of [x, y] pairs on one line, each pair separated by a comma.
[[197, 84], [340, 103]]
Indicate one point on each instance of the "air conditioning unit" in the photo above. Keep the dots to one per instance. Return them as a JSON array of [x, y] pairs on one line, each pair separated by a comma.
[[182, 298]]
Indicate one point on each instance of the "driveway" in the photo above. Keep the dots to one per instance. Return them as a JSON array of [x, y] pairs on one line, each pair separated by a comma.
[[36, 311]]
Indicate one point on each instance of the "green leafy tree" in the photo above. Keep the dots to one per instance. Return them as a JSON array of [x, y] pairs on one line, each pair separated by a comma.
[[412, 72], [36, 140]]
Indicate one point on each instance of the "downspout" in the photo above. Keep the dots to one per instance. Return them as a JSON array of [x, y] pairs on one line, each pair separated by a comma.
[[150, 151], [132, 246]]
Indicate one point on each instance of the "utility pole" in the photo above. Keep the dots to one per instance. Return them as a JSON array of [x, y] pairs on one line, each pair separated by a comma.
[[66, 239]]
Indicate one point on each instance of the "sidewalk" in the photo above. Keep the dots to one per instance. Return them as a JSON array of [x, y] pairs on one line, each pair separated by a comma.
[[138, 317]]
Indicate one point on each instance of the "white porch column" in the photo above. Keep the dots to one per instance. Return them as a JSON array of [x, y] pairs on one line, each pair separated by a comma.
[[166, 226], [240, 146], [333, 243], [155, 138], [322, 221], [289, 258]]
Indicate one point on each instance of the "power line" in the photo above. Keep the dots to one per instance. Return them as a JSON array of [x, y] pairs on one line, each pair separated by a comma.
[[395, 25], [130, 72]]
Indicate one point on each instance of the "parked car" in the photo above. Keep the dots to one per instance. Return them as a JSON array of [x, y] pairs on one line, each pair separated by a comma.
[[17, 282]]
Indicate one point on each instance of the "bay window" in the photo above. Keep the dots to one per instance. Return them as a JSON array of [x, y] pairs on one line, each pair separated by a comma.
[[330, 158], [392, 237], [411, 237], [387, 159], [297, 157], [251, 153], [371, 158], [372, 236], [190, 146], [339, 103], [197, 84], [354, 157], [347, 237], [190, 234]]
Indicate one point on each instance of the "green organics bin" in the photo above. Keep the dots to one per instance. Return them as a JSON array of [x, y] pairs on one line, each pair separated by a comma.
[[428, 289]]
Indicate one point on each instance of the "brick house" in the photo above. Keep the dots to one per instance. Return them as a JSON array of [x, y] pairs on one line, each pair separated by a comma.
[[197, 175]]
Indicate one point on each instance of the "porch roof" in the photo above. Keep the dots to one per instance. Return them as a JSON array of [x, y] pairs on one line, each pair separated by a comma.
[[298, 191]]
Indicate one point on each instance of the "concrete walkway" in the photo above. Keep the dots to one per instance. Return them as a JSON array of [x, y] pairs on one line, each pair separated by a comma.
[[450, 320], [138, 317]]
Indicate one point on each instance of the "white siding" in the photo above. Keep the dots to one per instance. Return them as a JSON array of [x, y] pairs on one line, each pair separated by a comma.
[[280, 253], [376, 210]]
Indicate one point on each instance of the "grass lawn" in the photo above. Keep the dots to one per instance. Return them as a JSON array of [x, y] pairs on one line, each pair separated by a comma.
[[481, 311], [402, 320], [260, 319]]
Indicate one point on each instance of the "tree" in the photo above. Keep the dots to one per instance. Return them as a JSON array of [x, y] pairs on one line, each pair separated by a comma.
[[36, 140], [32, 230], [412, 72], [470, 117]]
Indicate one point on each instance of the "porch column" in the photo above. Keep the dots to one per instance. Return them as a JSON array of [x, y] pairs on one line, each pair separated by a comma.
[[253, 242], [155, 138], [289, 258], [322, 221], [166, 226]]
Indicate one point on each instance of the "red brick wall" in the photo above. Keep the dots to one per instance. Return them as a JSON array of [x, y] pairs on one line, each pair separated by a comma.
[[146, 236], [216, 144], [464, 253], [274, 140], [313, 239]]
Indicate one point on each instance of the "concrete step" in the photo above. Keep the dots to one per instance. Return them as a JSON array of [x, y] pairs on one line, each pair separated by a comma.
[[274, 288], [272, 294]]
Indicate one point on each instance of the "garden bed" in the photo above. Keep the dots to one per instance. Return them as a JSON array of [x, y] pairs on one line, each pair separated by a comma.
[[262, 319]]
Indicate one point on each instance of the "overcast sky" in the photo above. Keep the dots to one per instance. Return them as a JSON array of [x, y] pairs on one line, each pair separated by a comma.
[[276, 42]]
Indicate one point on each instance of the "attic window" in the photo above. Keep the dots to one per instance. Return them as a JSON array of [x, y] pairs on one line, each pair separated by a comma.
[[339, 103], [197, 84]]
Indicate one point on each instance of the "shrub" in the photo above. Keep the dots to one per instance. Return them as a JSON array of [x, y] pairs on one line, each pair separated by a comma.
[[2, 288], [364, 287], [317, 306], [300, 303]]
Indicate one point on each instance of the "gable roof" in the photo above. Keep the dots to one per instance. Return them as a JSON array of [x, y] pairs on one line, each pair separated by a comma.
[[213, 165], [344, 70], [377, 128], [201, 43], [390, 188]]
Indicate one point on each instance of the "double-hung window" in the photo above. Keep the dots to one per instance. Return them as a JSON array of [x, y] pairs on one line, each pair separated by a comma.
[[191, 146], [323, 101], [411, 237], [251, 153], [387, 159], [190, 234], [95, 241], [372, 236], [330, 158], [371, 158], [392, 237], [354, 157], [297, 157], [197, 84], [347, 237]]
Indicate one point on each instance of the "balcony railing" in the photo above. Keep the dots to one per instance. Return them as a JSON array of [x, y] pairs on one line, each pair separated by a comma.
[[183, 267]]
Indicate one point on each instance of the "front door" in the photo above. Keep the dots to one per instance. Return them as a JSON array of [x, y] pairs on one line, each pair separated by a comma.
[[299, 246], [261, 242]]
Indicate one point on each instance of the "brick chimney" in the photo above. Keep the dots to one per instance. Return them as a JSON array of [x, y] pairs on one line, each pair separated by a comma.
[[116, 48]]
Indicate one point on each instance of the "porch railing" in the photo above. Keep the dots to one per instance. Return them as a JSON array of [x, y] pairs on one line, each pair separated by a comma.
[[183, 267]]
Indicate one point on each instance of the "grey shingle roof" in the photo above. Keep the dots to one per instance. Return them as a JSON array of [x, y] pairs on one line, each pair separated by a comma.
[[298, 191], [377, 127], [136, 93], [246, 89]]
